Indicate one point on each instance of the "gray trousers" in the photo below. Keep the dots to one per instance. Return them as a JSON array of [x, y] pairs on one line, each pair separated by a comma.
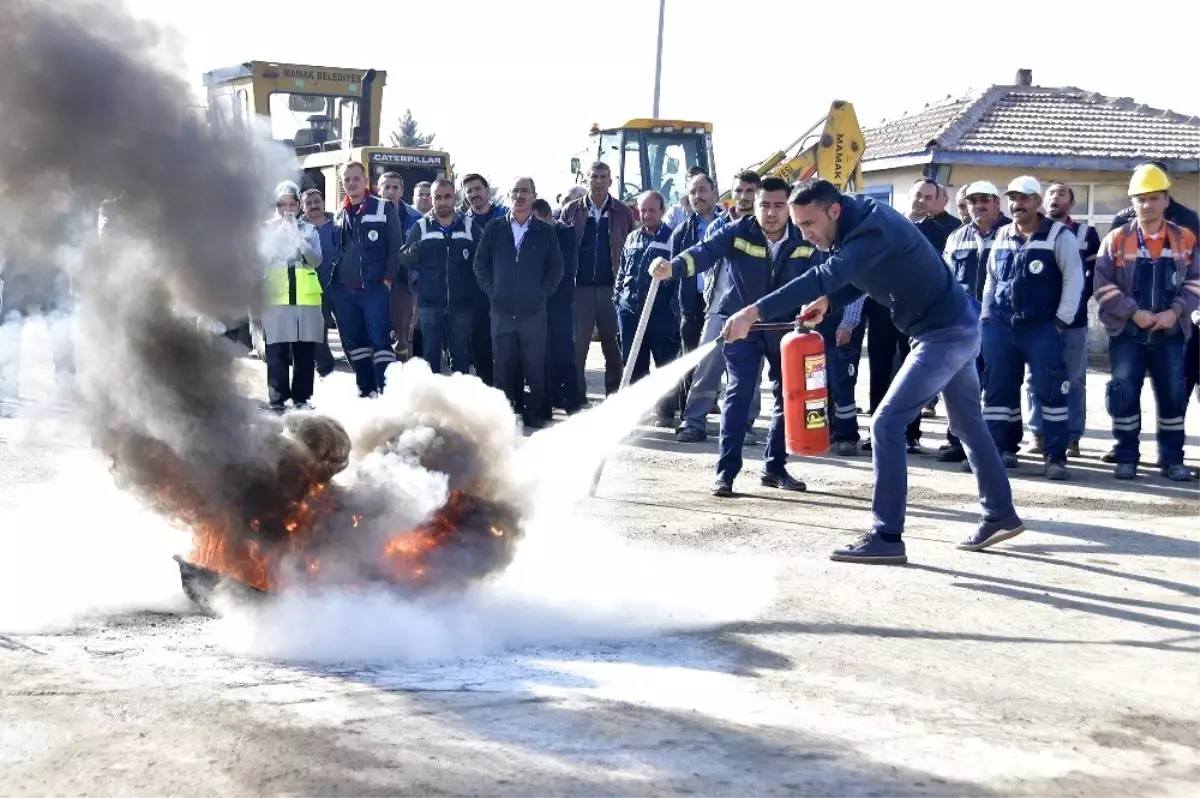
[[594, 309], [706, 382]]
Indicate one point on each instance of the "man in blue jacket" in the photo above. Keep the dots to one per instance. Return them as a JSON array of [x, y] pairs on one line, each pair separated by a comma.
[[762, 252], [874, 251], [562, 388], [439, 256], [661, 337], [518, 288], [367, 237]]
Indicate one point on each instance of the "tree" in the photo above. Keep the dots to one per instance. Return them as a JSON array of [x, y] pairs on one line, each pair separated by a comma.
[[408, 135]]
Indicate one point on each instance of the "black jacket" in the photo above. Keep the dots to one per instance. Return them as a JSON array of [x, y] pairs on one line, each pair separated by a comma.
[[518, 284], [440, 263], [685, 236], [879, 253], [564, 295], [1176, 212]]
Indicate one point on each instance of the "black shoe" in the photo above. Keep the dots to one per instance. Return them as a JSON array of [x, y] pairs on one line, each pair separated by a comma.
[[865, 446], [952, 454], [990, 533], [782, 480], [1110, 456], [870, 548], [690, 435], [534, 423], [914, 447], [845, 448], [722, 489]]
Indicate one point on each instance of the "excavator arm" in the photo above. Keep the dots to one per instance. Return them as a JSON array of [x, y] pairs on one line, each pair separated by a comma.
[[836, 155]]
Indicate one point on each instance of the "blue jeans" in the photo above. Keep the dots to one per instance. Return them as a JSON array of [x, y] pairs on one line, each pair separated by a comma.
[[1129, 361], [442, 327], [364, 320], [1006, 351], [1074, 346], [743, 362], [943, 362]]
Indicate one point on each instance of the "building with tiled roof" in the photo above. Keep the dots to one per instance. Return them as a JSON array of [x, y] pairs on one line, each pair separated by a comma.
[[1089, 140]]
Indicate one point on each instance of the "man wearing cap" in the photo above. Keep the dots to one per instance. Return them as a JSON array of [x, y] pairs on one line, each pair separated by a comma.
[[876, 252], [1031, 293], [966, 254], [1060, 199], [1147, 285]]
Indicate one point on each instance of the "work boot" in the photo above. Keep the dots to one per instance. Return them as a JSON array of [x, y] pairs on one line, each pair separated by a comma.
[[1110, 456], [865, 445], [1125, 471], [1039, 445], [782, 480], [1055, 470], [1009, 459], [845, 448], [686, 434], [913, 447], [1073, 448], [1176, 472], [870, 548], [990, 533], [722, 488], [952, 454], [929, 411]]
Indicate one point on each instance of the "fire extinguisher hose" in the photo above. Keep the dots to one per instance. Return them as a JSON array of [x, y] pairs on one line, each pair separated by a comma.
[[635, 349]]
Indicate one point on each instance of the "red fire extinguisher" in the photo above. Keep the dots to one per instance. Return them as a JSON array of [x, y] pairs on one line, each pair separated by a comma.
[[805, 392]]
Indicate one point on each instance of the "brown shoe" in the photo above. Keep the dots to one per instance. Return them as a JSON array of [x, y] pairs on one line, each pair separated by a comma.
[[1073, 449]]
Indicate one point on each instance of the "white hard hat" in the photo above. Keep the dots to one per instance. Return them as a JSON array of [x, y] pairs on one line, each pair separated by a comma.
[[1025, 184], [982, 187]]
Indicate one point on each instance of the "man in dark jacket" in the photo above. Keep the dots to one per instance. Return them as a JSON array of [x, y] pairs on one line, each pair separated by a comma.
[[660, 339], [601, 223], [367, 237], [519, 265], [761, 253], [562, 389], [439, 256], [402, 303], [313, 205], [876, 252], [480, 210]]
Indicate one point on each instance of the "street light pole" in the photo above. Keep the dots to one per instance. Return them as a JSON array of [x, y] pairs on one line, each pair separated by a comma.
[[662, 10]]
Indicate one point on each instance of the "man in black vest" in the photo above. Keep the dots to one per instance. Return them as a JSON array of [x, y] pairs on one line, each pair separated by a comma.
[[519, 264]]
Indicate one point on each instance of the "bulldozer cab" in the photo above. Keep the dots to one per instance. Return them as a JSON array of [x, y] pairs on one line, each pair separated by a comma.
[[645, 154], [327, 115]]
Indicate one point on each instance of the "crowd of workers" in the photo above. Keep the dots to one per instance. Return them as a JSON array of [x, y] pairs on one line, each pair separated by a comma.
[[516, 293]]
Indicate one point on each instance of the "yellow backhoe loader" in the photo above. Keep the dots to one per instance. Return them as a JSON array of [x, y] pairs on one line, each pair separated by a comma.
[[329, 115], [835, 156]]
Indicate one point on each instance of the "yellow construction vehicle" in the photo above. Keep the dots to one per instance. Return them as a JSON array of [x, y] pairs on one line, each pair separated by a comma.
[[646, 154], [329, 115], [835, 156]]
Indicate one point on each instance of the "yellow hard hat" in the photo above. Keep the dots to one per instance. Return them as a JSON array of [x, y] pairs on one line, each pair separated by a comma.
[[1148, 179]]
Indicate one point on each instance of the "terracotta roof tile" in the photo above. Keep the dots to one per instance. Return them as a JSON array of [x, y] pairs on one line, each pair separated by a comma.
[[1040, 121]]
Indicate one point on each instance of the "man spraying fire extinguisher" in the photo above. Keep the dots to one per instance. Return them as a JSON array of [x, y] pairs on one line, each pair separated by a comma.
[[764, 251], [876, 252]]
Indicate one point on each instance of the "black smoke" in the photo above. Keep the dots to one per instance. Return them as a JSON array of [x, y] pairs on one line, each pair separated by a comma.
[[94, 108]]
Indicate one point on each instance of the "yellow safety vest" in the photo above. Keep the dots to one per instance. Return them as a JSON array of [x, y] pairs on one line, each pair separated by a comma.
[[292, 285]]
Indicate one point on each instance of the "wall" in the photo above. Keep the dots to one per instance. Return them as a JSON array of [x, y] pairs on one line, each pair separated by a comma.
[[1186, 189]]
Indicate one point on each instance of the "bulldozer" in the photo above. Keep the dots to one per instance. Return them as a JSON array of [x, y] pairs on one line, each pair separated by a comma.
[[646, 154], [328, 115]]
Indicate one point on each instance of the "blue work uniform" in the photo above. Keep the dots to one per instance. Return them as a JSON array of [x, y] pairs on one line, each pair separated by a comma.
[[661, 338], [440, 264], [879, 253], [1126, 271], [842, 363], [1030, 295], [366, 245], [754, 268]]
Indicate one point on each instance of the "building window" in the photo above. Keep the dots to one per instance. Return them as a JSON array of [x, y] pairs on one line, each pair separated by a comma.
[[1098, 203], [881, 194]]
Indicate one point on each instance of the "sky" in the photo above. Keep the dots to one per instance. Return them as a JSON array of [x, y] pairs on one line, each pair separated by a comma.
[[512, 87]]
